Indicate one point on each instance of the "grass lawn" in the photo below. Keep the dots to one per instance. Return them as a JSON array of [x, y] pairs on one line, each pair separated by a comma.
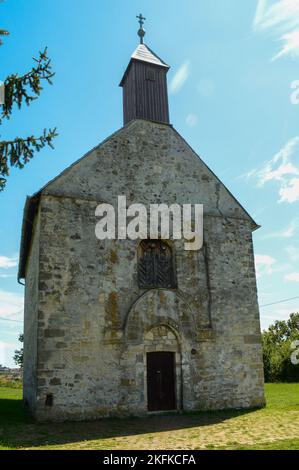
[[273, 427]]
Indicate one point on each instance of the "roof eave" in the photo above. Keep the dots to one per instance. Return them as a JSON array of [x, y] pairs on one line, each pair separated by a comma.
[[167, 67], [30, 207]]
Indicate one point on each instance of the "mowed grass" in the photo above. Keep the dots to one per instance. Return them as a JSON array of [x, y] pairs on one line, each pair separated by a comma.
[[274, 427]]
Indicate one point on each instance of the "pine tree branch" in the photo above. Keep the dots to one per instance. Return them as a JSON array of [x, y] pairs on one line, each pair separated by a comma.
[[27, 87], [17, 152], [3, 32], [17, 90]]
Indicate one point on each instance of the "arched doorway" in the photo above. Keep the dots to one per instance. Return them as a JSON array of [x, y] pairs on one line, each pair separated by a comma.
[[161, 394], [162, 362]]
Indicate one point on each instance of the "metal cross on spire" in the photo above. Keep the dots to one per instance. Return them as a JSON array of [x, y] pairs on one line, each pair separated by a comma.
[[141, 20], [141, 31]]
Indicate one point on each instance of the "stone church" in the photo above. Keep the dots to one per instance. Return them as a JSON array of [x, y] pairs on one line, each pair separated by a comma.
[[130, 327]]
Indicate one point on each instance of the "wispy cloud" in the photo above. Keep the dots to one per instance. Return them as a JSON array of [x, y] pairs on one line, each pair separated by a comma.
[[264, 265], [281, 19], [8, 262], [283, 170], [287, 232], [279, 166], [293, 252], [290, 191], [294, 277], [267, 265], [260, 12], [180, 77], [191, 120], [11, 305]]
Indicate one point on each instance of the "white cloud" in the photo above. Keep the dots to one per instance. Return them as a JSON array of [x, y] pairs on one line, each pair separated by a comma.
[[289, 232], [264, 265], [293, 252], [260, 12], [11, 305], [282, 170], [281, 18], [180, 78], [267, 265], [294, 277], [8, 262], [290, 191], [191, 120], [291, 45], [279, 166]]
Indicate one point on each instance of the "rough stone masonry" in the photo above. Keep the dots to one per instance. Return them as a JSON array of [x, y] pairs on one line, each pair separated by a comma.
[[90, 326]]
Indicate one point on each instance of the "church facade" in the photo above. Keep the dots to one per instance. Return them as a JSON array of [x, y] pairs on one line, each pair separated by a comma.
[[130, 327]]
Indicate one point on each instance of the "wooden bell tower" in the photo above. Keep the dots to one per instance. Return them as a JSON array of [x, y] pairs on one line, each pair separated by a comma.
[[145, 85]]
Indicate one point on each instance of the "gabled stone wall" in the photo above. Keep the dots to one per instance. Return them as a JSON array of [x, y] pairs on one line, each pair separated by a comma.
[[96, 325]]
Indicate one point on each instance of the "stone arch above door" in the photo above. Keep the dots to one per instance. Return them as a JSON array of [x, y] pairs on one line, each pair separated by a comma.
[[159, 307], [162, 337]]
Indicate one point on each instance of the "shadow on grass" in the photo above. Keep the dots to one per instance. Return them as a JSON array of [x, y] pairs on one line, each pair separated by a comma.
[[12, 411], [19, 430]]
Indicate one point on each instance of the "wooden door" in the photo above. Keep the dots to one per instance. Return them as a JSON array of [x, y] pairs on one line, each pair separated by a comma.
[[161, 381]]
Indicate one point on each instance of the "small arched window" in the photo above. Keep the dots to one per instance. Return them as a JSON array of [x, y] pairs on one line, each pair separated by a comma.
[[156, 267]]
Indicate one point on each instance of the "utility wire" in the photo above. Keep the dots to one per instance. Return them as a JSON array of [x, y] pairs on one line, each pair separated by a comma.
[[10, 319], [261, 306], [279, 302]]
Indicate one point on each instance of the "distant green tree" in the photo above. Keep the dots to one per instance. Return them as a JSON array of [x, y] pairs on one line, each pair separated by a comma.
[[19, 353], [18, 90], [277, 350]]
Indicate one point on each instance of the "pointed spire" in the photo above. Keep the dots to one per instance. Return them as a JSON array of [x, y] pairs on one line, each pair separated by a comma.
[[141, 31]]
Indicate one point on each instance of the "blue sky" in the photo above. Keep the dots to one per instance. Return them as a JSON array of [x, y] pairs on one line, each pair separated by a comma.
[[232, 67]]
